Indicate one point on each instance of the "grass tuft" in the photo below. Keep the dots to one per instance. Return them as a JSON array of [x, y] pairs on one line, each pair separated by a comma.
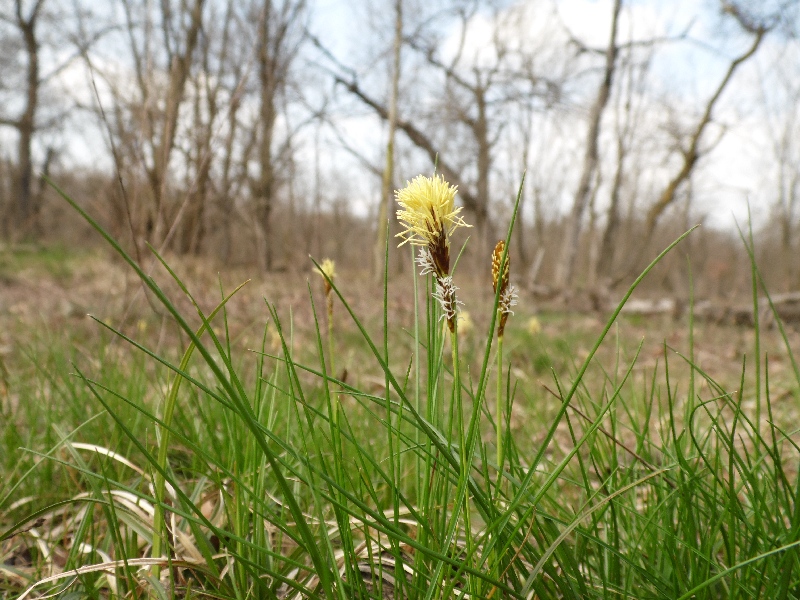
[[209, 470]]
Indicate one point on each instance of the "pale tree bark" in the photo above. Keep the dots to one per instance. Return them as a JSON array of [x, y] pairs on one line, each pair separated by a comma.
[[5, 196], [605, 259], [180, 64], [789, 200], [626, 125], [276, 50], [786, 150], [520, 226], [388, 170], [208, 87], [592, 232], [569, 248], [157, 109]]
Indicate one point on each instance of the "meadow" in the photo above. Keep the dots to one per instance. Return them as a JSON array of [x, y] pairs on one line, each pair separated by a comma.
[[310, 435]]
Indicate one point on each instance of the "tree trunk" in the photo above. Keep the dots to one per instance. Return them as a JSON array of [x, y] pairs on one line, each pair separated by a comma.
[[225, 198], [569, 250], [26, 125], [179, 68], [204, 117], [264, 187], [605, 261], [388, 171]]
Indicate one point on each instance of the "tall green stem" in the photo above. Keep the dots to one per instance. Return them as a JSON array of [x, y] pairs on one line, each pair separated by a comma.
[[499, 411], [462, 441], [159, 482], [416, 369], [329, 302]]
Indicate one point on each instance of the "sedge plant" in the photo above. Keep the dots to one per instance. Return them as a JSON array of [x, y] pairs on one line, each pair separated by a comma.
[[243, 482], [327, 270], [429, 216], [506, 299]]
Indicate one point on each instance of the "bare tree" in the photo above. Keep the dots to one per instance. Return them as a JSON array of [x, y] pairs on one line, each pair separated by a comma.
[[691, 153], [37, 28], [627, 121], [146, 114], [471, 90], [234, 63], [180, 43], [279, 35], [469, 95], [215, 87], [26, 21], [569, 250]]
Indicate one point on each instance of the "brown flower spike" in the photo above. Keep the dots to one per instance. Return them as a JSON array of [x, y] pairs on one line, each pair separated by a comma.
[[497, 257], [508, 294]]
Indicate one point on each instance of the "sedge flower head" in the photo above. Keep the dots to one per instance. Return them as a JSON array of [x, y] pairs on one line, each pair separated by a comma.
[[508, 298], [534, 326], [497, 259], [507, 293], [424, 261], [465, 322], [445, 293], [327, 270], [429, 216]]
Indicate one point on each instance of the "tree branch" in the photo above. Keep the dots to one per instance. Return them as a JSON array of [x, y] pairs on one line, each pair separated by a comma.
[[418, 138], [692, 153]]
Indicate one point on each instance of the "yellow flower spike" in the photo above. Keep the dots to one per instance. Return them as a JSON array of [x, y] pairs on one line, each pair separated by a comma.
[[429, 215], [533, 326], [465, 323], [327, 268]]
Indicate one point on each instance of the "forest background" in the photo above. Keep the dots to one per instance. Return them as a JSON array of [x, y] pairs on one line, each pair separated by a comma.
[[649, 456], [261, 131]]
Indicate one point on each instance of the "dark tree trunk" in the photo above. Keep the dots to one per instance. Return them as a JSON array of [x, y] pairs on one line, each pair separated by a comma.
[[26, 125]]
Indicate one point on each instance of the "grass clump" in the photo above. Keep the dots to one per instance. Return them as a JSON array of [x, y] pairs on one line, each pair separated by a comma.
[[283, 479]]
